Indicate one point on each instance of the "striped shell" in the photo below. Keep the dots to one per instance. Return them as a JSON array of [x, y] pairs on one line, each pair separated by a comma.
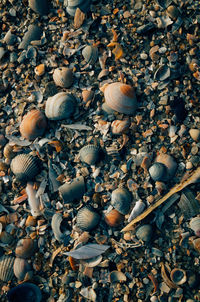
[[39, 6], [21, 268], [158, 172], [121, 200], [89, 154], [26, 292], [87, 218], [72, 5], [34, 124], [25, 166], [73, 191], [63, 77], [121, 98], [169, 162], [119, 127], [144, 232], [60, 106], [6, 268], [114, 218], [90, 54], [34, 33], [25, 248]]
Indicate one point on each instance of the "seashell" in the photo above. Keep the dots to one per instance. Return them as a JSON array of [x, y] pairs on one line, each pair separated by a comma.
[[117, 276], [25, 166], [87, 95], [63, 77], [196, 244], [144, 232], [25, 248], [87, 218], [33, 201], [34, 33], [92, 262], [195, 134], [21, 268], [119, 127], [90, 54], [162, 73], [6, 268], [60, 106], [121, 200], [6, 238], [26, 292], [188, 205], [164, 3], [173, 12], [114, 218], [56, 223], [178, 276], [34, 124], [137, 210], [89, 154], [88, 293], [73, 4], [121, 98], [40, 7], [158, 172], [87, 251], [195, 225], [73, 191], [169, 162], [107, 109]]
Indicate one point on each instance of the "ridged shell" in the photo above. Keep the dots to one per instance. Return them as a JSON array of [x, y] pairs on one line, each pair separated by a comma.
[[56, 222], [121, 98], [26, 292], [25, 248], [34, 33], [63, 77], [25, 167], [90, 54], [87, 218], [40, 7], [34, 124], [178, 276], [21, 268], [6, 268], [144, 232], [60, 106], [72, 5], [158, 172], [121, 200], [73, 191], [89, 154], [114, 218], [119, 127], [188, 205], [195, 225], [169, 162]]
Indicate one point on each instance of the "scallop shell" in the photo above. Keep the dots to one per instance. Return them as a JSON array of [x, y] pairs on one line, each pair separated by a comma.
[[119, 127], [73, 191], [169, 162], [60, 106], [25, 248], [89, 154], [178, 276], [144, 232], [34, 124], [158, 172], [34, 33], [40, 7], [121, 200], [56, 222], [21, 268], [90, 54], [72, 5], [195, 225], [26, 292], [87, 218], [63, 77], [188, 205], [121, 98], [6, 268], [114, 218], [25, 167]]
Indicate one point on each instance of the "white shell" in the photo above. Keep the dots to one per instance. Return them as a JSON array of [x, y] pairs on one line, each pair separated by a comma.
[[63, 77], [137, 210], [55, 225], [33, 201]]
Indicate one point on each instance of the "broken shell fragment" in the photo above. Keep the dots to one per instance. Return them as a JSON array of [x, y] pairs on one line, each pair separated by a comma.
[[178, 276], [188, 205], [137, 210], [25, 167], [114, 218], [144, 232], [162, 73], [6, 268], [73, 191], [25, 248], [60, 106], [158, 172], [21, 269], [39, 6], [121, 200], [33, 200], [56, 225], [195, 225], [26, 292], [34, 124], [121, 98], [34, 33], [72, 5], [119, 127], [90, 54], [89, 154], [63, 77], [195, 134], [87, 218], [117, 276]]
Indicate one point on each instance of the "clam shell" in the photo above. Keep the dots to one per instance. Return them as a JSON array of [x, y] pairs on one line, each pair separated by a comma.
[[144, 232], [56, 222], [26, 292], [87, 218], [60, 106], [21, 268], [117, 276], [34, 33], [121, 98], [6, 268], [90, 54], [121, 200], [63, 77], [119, 127], [158, 172], [73, 4], [162, 73], [178, 276], [195, 134], [34, 124], [25, 167], [40, 7], [107, 109], [169, 162], [114, 218], [73, 191], [25, 248], [89, 154], [188, 205], [195, 225]]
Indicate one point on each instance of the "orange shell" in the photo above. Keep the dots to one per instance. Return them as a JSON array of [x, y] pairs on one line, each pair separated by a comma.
[[25, 248], [33, 124], [114, 218]]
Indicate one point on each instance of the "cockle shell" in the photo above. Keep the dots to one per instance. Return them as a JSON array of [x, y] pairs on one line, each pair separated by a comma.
[[169, 162], [34, 33], [87, 218], [178, 276], [63, 77], [6, 268], [34, 124], [73, 191], [114, 218], [89, 154], [21, 269], [26, 292], [33, 200], [158, 172], [72, 5], [60, 106], [195, 225], [25, 166], [121, 200], [144, 232], [56, 222], [90, 54], [121, 98], [25, 248], [39, 6], [119, 127]]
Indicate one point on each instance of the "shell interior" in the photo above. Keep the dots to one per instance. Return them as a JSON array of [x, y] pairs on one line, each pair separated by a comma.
[[73, 191], [29, 291]]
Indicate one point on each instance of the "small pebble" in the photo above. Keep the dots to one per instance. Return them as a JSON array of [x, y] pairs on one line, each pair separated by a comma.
[[40, 70]]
